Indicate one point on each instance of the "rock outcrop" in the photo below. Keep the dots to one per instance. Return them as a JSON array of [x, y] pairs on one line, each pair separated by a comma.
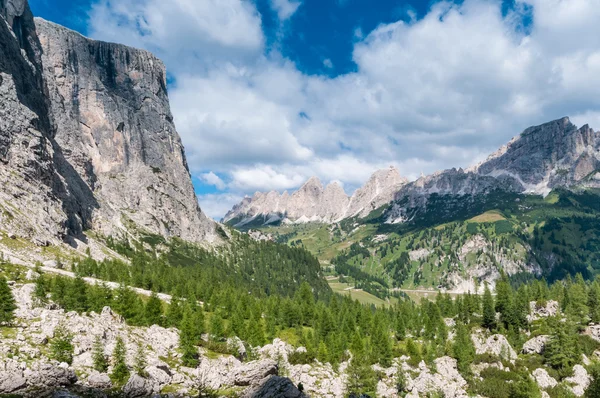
[[87, 140], [314, 203]]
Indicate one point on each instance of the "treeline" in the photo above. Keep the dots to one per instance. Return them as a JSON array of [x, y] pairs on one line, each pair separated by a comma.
[[263, 268], [330, 328]]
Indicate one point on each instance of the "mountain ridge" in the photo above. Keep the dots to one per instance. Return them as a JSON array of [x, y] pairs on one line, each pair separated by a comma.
[[314, 203]]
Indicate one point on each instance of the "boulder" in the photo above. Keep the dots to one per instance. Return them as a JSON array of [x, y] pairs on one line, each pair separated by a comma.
[[11, 382], [543, 379], [552, 308], [254, 372], [535, 345], [274, 386], [579, 381], [99, 380], [159, 375], [495, 345], [139, 387], [48, 375]]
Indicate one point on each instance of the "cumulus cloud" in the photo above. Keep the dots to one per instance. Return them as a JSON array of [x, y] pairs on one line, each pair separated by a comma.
[[432, 93], [285, 8], [216, 205], [211, 178]]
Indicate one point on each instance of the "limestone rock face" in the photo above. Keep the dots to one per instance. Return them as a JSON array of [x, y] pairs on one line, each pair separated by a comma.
[[115, 126], [535, 345], [87, 140], [313, 203]]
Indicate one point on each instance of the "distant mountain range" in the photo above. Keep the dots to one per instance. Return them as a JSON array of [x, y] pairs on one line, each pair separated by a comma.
[[314, 203], [542, 158]]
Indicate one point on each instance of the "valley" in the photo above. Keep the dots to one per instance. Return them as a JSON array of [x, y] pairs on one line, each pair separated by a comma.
[[478, 282]]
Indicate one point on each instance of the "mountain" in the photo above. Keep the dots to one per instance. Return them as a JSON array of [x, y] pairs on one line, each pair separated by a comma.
[[313, 203], [553, 155], [87, 139]]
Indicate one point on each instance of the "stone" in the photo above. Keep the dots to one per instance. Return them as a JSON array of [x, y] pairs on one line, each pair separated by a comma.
[[495, 345], [543, 379], [253, 372], [550, 309], [274, 386], [11, 382], [139, 387], [535, 345], [580, 380], [99, 380]]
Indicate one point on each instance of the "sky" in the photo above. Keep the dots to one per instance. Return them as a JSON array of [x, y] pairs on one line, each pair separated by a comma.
[[267, 93]]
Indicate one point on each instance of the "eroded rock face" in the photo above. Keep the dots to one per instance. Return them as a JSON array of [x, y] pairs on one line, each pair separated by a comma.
[[86, 138], [115, 126], [543, 379]]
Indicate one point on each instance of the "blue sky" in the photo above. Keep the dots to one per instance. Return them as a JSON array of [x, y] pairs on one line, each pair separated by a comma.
[[267, 93]]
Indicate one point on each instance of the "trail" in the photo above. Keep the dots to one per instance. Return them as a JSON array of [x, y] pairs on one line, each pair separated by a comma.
[[15, 259]]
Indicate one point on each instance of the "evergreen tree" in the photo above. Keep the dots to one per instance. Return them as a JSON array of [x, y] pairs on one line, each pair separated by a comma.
[[42, 289], [256, 334], [174, 313], [489, 313], [323, 352], [61, 347], [153, 310], [217, 328], [120, 372], [463, 348], [362, 379], [188, 338], [562, 350], [7, 302], [98, 357], [381, 344], [140, 360]]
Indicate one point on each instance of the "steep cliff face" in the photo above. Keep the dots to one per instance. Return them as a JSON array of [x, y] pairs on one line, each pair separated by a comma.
[[313, 203], [87, 139], [32, 190], [116, 129]]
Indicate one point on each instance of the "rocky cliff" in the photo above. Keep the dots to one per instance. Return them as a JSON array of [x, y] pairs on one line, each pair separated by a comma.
[[87, 140], [314, 203]]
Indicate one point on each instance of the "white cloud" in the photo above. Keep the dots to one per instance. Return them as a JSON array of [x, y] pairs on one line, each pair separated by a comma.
[[439, 92], [327, 63], [285, 8], [211, 178], [216, 205]]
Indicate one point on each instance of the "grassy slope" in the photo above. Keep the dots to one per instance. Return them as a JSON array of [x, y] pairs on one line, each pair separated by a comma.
[[560, 233]]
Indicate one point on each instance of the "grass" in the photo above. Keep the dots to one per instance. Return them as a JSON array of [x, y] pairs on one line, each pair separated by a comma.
[[488, 216], [360, 295]]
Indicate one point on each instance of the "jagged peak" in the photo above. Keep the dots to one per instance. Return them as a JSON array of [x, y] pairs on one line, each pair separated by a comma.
[[312, 182]]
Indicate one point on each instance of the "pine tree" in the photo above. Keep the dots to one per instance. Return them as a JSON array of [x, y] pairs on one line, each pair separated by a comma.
[[362, 379], [61, 347], [463, 348], [382, 348], [489, 313], [174, 313], [98, 357], [323, 352], [7, 302], [42, 289], [140, 360], [256, 333], [153, 310], [120, 372], [188, 338], [217, 328]]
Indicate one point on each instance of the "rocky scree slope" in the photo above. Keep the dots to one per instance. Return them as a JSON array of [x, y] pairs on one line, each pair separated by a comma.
[[87, 138], [314, 203], [26, 367]]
